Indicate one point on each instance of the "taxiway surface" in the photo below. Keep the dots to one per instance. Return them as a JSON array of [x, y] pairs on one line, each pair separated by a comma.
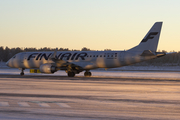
[[80, 98]]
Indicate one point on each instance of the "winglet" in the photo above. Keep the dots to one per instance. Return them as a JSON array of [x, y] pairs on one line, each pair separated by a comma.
[[53, 56]]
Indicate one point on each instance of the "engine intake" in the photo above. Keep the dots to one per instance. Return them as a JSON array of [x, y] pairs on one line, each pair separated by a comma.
[[47, 68]]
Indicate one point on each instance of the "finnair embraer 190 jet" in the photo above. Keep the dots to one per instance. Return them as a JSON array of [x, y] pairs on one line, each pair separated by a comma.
[[74, 62]]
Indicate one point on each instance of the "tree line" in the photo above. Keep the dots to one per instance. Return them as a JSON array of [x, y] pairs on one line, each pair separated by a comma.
[[169, 59], [6, 53]]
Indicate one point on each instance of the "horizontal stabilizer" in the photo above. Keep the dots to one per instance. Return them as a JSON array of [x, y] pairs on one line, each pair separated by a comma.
[[171, 53], [160, 54], [53, 56]]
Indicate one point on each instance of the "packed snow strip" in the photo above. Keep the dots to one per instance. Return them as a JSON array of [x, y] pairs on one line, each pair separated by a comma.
[[4, 104], [139, 74], [23, 104]]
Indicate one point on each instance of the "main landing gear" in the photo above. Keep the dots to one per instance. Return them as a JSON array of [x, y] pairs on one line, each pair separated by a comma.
[[87, 74], [71, 74], [22, 71]]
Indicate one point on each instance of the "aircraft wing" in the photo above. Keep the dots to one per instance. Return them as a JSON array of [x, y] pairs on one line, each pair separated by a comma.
[[84, 65], [64, 65], [80, 66], [157, 54]]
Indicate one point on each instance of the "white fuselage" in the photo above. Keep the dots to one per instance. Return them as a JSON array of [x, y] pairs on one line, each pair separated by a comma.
[[84, 59]]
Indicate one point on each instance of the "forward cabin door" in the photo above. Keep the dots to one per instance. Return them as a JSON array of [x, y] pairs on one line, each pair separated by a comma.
[[23, 60]]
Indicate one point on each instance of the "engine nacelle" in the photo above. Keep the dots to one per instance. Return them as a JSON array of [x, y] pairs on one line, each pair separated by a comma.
[[47, 68]]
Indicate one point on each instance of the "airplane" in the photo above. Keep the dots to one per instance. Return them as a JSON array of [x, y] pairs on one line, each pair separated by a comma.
[[74, 62]]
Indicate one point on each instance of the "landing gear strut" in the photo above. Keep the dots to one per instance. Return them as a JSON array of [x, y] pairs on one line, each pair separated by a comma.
[[22, 72], [87, 74]]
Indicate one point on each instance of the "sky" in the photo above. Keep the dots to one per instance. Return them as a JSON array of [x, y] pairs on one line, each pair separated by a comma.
[[95, 24]]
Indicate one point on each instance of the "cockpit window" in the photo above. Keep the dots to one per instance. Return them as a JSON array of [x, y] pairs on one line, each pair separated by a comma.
[[14, 56]]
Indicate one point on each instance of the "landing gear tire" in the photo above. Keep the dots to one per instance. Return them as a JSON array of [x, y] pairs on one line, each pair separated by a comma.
[[71, 74], [22, 72], [87, 74]]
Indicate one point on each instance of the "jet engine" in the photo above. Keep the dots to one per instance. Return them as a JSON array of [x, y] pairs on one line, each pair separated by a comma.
[[47, 68]]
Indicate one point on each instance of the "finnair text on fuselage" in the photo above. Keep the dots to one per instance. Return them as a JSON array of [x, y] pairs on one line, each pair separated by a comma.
[[70, 55], [60, 56]]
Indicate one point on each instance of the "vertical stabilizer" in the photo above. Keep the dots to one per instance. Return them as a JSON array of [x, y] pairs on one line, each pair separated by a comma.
[[150, 41]]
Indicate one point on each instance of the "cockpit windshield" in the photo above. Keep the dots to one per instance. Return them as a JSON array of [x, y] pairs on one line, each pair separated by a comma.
[[14, 56]]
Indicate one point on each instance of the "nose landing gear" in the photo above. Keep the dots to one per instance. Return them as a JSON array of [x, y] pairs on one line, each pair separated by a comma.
[[22, 71]]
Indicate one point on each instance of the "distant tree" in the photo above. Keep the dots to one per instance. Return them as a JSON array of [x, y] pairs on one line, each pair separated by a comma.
[[6, 54], [107, 49], [61, 49], [29, 49], [1, 53], [85, 49]]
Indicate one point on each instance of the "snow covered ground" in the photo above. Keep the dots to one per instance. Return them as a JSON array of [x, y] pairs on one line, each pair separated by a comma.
[[94, 98], [3, 65], [150, 72], [146, 68], [129, 68]]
